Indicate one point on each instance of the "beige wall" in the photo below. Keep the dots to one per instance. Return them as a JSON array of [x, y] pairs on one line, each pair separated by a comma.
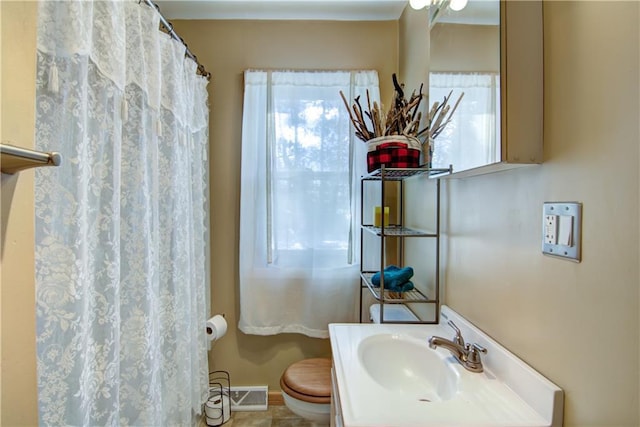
[[570, 321], [578, 324], [227, 49], [18, 375], [413, 65], [456, 47]]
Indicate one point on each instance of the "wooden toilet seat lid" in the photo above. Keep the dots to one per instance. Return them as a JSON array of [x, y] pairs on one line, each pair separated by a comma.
[[308, 380]]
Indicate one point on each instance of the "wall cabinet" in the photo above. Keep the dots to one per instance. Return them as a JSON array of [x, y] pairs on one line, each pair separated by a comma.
[[392, 306], [461, 42]]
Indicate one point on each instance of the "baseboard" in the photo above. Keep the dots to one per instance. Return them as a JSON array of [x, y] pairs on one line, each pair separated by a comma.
[[275, 398]]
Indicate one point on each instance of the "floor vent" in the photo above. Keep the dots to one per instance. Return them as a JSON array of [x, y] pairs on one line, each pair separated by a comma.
[[250, 398]]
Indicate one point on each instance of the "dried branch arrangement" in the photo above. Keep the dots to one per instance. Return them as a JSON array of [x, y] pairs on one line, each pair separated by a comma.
[[402, 119], [440, 115]]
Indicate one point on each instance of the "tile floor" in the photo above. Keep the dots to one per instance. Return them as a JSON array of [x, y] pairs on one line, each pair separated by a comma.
[[275, 416]]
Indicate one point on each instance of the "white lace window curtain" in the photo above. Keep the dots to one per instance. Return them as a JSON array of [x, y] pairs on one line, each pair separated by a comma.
[[299, 208], [121, 226], [474, 120]]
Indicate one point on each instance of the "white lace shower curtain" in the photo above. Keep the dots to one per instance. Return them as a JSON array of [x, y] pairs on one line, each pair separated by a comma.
[[121, 236]]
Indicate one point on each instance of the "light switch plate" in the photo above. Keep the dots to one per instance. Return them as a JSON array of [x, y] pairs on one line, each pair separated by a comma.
[[561, 230]]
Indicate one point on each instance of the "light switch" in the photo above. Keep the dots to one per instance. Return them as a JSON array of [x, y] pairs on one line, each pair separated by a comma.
[[561, 227], [565, 230]]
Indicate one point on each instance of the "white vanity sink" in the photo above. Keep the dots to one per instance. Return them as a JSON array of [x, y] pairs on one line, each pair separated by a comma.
[[386, 375], [405, 364]]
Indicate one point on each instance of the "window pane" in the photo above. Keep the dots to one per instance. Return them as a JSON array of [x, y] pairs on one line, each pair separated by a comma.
[[472, 138], [310, 172]]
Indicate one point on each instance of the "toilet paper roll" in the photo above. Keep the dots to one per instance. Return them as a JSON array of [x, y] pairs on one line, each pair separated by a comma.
[[216, 327], [217, 409]]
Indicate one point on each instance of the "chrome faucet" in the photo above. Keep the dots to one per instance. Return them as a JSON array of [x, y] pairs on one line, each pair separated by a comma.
[[467, 354]]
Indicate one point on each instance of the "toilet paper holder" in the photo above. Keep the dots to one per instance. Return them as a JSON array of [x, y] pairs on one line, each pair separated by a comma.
[[217, 408], [216, 327]]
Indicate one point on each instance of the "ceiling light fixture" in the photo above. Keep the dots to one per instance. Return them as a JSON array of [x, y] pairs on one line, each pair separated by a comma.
[[419, 4], [457, 4]]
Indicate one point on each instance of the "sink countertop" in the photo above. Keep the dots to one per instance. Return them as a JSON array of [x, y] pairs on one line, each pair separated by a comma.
[[509, 393]]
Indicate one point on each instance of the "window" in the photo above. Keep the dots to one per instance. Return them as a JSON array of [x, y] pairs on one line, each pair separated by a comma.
[[310, 205], [299, 206], [475, 120]]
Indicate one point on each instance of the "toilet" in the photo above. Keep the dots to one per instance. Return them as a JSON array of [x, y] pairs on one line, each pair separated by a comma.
[[306, 389]]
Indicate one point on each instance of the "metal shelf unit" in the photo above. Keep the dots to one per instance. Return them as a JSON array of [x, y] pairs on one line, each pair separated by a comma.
[[399, 231]]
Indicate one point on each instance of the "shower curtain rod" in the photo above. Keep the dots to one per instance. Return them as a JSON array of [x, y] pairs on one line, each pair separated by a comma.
[[168, 27]]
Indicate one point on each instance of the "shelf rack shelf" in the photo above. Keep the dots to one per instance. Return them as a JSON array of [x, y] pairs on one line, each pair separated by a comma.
[[413, 295], [399, 231], [15, 159], [399, 174]]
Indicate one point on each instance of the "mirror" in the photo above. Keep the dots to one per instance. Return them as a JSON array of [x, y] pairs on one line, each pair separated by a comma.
[[465, 58], [499, 121]]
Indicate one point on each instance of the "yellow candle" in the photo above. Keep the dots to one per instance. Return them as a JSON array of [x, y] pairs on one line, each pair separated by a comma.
[[377, 211]]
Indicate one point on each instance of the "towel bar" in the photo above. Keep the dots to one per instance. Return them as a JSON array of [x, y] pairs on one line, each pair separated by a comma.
[[14, 159]]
